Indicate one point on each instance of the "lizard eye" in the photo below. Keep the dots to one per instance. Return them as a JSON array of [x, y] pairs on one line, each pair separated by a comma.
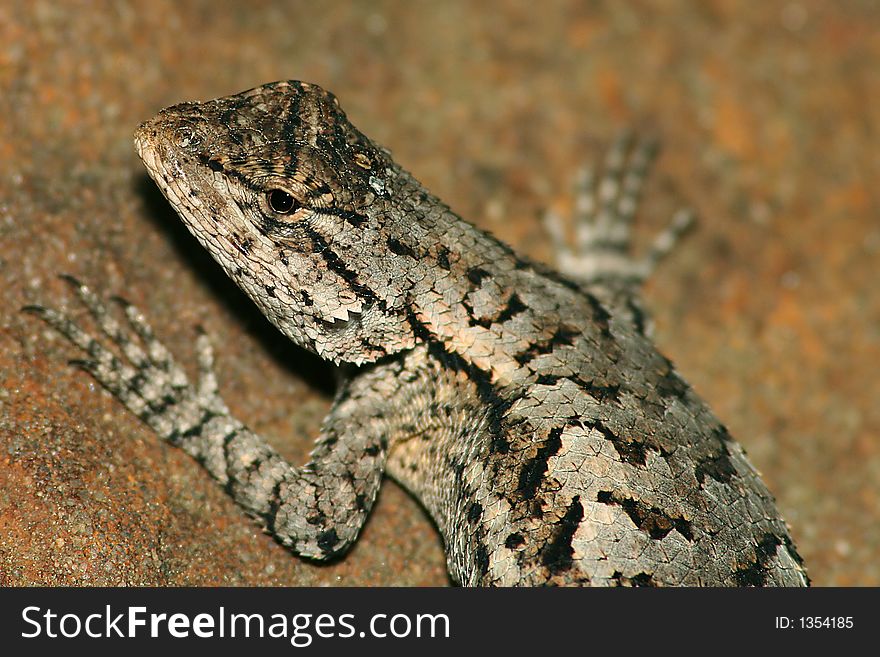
[[281, 202]]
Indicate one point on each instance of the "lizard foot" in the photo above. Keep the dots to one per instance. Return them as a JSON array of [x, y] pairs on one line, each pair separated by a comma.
[[147, 379], [605, 206]]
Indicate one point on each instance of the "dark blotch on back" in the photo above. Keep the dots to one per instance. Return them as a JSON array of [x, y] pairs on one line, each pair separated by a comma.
[[443, 258], [670, 384], [482, 558], [639, 579], [718, 465], [651, 520], [633, 452], [476, 275], [557, 554], [475, 512], [564, 336], [755, 574], [532, 473], [399, 248], [513, 307]]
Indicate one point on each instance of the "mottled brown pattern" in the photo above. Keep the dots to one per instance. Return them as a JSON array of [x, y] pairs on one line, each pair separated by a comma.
[[529, 413]]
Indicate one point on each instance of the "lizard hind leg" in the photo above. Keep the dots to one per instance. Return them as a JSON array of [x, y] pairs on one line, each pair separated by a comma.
[[605, 206]]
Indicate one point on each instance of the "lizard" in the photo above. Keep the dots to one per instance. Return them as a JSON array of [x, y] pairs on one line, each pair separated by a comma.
[[525, 407]]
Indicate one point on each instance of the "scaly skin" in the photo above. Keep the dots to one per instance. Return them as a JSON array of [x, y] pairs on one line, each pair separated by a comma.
[[528, 411]]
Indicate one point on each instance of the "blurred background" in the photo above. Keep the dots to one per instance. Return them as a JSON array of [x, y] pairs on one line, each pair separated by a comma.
[[768, 113]]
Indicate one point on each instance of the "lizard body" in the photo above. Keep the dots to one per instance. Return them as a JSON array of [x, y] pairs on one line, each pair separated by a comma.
[[528, 411]]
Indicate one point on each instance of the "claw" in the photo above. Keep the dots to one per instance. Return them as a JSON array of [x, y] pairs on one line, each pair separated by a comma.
[[90, 366], [605, 207], [34, 309], [73, 282], [146, 377]]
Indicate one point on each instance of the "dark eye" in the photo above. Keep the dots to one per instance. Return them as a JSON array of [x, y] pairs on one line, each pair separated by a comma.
[[281, 202]]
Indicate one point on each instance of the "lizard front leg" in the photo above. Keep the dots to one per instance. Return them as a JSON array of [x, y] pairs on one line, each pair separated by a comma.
[[316, 510]]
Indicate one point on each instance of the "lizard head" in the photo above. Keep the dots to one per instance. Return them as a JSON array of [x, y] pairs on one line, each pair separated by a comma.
[[295, 204]]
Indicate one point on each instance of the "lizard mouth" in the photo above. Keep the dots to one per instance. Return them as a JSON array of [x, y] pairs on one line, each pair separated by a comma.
[[170, 149], [141, 139], [170, 179], [167, 146], [145, 143], [161, 148]]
